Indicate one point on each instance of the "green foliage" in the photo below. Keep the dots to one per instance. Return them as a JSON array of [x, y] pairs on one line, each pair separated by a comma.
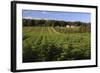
[[55, 44], [53, 23]]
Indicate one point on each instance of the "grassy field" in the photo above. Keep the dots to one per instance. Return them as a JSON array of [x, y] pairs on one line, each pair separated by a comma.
[[55, 44]]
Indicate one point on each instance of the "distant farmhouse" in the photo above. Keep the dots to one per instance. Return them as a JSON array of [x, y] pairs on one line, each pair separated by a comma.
[[71, 26]]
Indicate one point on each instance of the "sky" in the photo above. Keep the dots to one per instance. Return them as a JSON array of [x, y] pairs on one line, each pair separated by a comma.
[[56, 15]]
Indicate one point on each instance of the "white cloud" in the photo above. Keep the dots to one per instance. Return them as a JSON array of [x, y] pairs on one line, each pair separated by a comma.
[[28, 17], [44, 12]]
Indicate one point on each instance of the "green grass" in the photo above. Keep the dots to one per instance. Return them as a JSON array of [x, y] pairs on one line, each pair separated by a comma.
[[55, 44]]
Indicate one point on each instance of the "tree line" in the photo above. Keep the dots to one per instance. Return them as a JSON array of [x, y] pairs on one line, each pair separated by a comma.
[[40, 22]]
